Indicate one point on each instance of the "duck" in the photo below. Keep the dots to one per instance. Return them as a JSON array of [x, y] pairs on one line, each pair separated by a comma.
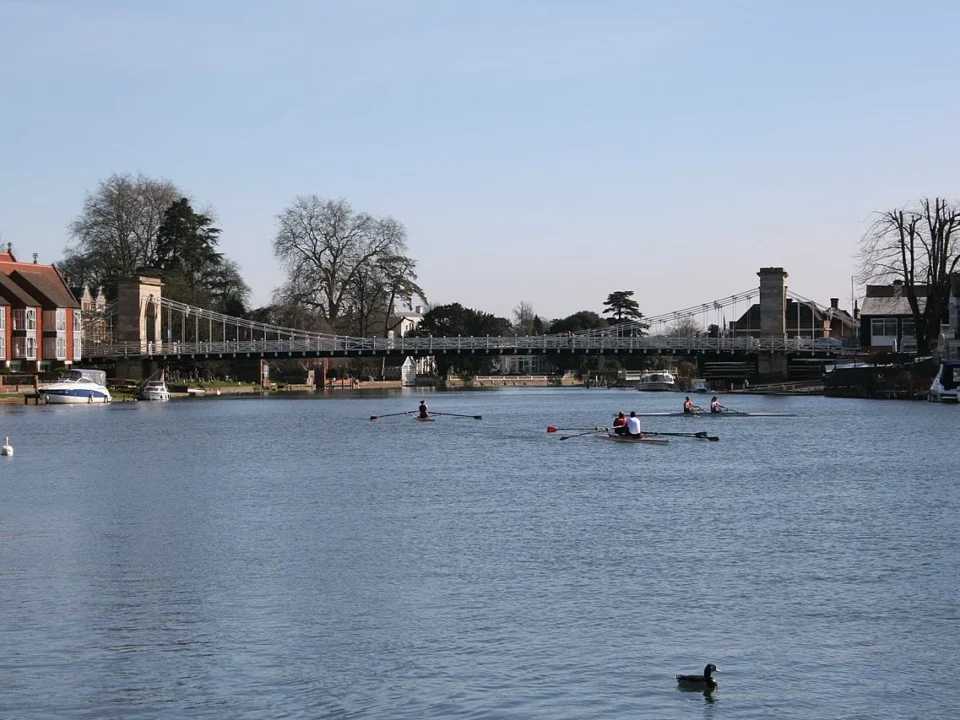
[[7, 448], [700, 682]]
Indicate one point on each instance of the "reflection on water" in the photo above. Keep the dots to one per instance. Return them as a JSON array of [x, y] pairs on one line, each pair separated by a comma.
[[268, 557]]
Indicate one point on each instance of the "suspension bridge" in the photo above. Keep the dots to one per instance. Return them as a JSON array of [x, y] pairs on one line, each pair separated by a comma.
[[142, 325]]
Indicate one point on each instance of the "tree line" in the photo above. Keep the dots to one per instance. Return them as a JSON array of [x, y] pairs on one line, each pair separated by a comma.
[[138, 225], [347, 272]]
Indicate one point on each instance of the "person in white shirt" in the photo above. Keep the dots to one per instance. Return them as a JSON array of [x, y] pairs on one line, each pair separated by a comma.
[[633, 425]]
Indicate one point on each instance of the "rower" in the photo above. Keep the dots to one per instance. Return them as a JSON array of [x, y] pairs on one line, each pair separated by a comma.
[[620, 424], [633, 425], [715, 406], [423, 410], [689, 408]]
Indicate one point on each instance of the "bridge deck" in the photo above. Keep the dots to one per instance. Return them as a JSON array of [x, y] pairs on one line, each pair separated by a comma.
[[585, 344]]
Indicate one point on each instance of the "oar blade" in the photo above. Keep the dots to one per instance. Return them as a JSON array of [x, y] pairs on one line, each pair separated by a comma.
[[552, 429]]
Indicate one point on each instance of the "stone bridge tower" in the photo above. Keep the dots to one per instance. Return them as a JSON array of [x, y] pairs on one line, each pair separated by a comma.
[[138, 319], [773, 302], [773, 320]]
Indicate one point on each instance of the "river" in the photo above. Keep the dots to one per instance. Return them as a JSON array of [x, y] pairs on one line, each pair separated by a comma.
[[289, 557]]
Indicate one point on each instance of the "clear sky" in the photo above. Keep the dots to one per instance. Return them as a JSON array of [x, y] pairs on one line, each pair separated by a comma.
[[540, 151]]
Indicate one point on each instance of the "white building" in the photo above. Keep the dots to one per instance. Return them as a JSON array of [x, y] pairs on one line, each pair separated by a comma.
[[403, 323]]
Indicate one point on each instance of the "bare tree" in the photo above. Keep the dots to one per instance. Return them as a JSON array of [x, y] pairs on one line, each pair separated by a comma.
[[917, 244], [686, 326], [116, 232], [325, 245], [523, 318]]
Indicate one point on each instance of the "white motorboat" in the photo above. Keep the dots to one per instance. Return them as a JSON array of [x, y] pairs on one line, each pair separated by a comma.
[[155, 390], [77, 387], [657, 381], [946, 384]]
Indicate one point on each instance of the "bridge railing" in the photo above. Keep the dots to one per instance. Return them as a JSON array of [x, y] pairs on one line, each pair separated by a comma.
[[543, 344]]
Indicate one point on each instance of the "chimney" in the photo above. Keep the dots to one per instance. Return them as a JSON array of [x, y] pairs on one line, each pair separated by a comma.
[[856, 310], [835, 303], [35, 255], [898, 288], [417, 309]]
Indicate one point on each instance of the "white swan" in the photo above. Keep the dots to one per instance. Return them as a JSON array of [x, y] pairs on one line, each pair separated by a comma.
[[7, 448]]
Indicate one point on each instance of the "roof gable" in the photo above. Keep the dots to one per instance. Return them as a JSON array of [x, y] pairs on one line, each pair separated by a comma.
[[45, 284], [16, 295], [886, 306]]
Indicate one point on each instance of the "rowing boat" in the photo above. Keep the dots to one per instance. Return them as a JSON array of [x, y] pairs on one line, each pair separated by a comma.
[[707, 413], [635, 439], [422, 419]]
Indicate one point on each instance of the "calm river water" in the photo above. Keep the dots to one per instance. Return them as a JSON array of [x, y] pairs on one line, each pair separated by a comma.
[[269, 558]]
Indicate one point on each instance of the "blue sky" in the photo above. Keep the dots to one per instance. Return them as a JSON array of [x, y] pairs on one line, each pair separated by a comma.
[[548, 152]]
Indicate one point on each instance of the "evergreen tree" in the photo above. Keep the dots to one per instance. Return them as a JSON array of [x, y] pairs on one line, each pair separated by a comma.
[[621, 305]]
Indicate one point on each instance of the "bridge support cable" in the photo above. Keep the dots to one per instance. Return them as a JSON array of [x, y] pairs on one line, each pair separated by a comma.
[[269, 340]]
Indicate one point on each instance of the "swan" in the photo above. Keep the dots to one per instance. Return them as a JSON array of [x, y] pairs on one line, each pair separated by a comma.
[[7, 448]]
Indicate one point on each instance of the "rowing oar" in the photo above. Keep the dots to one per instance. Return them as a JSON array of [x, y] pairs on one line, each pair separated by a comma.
[[374, 417], [475, 417], [552, 429], [731, 410], [591, 432], [702, 435]]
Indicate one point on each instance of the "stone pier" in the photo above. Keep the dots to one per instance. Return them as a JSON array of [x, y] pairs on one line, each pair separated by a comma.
[[138, 321], [773, 320]]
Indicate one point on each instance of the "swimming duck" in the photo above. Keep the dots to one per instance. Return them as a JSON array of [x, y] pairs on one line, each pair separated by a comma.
[[700, 682]]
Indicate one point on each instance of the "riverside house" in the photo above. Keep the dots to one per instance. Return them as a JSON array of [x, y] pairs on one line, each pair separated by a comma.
[[39, 316], [886, 320], [802, 320]]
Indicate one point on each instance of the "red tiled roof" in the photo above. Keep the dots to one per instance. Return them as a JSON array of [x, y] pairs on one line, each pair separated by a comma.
[[34, 285], [45, 283], [16, 296]]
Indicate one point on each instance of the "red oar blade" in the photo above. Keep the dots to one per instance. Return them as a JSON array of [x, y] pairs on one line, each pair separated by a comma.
[[552, 429]]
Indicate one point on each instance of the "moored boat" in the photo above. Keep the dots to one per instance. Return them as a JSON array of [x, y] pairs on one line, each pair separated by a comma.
[[75, 387], [658, 381], [946, 384], [154, 390]]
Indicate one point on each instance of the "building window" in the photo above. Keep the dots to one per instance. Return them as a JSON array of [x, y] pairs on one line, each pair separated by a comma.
[[31, 320], [25, 348], [19, 319], [3, 318], [61, 320], [883, 327], [3, 347], [76, 348], [76, 321], [55, 348]]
